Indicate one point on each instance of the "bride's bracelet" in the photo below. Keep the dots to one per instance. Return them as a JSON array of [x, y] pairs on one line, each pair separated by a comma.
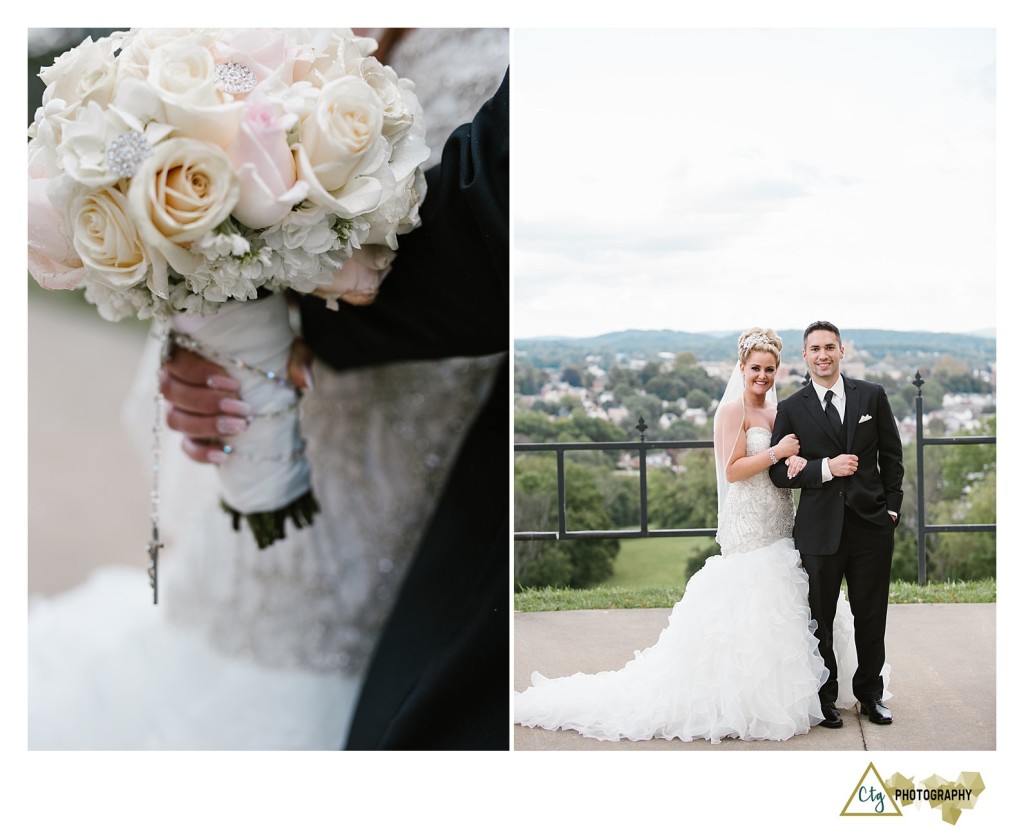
[[771, 455], [191, 344]]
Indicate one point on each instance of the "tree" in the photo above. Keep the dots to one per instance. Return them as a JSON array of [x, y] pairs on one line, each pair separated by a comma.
[[650, 370], [646, 406], [698, 399], [573, 376], [529, 380], [684, 499], [576, 563], [665, 387]]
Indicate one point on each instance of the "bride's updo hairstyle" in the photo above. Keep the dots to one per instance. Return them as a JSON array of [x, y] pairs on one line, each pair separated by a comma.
[[758, 339]]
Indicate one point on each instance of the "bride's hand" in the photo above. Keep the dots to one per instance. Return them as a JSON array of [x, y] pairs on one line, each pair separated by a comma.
[[203, 403], [787, 447], [795, 464]]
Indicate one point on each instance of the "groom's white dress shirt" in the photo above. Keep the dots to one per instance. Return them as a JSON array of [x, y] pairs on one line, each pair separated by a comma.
[[839, 402]]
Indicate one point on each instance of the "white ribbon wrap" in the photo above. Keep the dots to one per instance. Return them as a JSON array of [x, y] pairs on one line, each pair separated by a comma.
[[258, 332]]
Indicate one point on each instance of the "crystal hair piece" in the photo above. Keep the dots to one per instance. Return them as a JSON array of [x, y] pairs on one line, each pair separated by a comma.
[[755, 340]]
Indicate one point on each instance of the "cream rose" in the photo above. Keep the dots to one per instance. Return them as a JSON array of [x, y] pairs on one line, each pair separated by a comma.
[[341, 142], [184, 189], [182, 74], [106, 238]]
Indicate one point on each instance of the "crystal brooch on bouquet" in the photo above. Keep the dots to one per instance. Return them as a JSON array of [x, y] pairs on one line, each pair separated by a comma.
[[126, 152], [235, 78]]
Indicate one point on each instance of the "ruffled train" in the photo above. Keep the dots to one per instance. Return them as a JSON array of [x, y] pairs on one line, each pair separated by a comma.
[[738, 659]]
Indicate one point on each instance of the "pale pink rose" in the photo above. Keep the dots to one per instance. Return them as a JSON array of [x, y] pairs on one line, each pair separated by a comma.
[[52, 258], [265, 167], [264, 51], [354, 283]]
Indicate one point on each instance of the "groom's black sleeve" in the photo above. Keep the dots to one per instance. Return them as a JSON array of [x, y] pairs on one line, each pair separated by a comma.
[[439, 678], [810, 475], [448, 293]]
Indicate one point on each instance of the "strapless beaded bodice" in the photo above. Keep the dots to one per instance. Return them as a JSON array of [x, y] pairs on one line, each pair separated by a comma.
[[756, 512]]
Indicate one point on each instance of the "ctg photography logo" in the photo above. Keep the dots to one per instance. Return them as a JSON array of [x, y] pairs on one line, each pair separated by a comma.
[[874, 797]]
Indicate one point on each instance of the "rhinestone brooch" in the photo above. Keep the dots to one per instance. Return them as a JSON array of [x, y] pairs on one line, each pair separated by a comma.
[[126, 152], [235, 78]]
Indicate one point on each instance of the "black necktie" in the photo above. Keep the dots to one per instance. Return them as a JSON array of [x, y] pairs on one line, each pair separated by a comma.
[[833, 415]]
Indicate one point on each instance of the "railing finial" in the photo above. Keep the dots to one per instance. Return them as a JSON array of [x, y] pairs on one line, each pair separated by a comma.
[[642, 427]]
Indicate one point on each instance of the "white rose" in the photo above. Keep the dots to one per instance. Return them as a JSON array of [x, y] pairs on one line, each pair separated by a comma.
[[183, 76], [83, 74], [396, 94], [139, 45], [184, 189], [399, 214], [106, 238], [341, 142], [45, 132], [83, 147], [324, 55]]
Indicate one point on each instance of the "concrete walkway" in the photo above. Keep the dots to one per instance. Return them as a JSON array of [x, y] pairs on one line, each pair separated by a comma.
[[943, 660]]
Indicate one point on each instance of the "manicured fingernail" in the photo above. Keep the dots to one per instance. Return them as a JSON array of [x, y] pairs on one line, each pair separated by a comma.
[[223, 382], [217, 457], [231, 426], [233, 406]]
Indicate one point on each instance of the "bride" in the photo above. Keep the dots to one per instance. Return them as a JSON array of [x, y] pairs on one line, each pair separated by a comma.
[[738, 658]]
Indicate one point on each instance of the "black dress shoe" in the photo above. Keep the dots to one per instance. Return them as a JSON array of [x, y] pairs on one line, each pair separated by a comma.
[[833, 720], [876, 711]]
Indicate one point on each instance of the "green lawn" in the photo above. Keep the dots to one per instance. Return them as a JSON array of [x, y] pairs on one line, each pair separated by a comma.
[[651, 573], [604, 597], [646, 563]]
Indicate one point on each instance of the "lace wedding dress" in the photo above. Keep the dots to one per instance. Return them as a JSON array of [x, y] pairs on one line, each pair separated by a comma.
[[252, 649], [738, 658]]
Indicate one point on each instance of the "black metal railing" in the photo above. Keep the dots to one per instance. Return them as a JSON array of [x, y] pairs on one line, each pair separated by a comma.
[[642, 447], [922, 526]]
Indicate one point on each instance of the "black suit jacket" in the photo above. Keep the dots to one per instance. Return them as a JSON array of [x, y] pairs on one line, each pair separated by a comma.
[[871, 435], [440, 676]]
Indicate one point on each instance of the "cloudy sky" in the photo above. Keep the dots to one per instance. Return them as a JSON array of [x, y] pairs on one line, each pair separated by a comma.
[[712, 179]]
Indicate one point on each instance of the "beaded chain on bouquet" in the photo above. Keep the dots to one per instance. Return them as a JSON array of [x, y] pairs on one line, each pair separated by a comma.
[[192, 176]]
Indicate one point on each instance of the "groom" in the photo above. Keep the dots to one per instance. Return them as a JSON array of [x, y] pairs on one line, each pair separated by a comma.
[[851, 493]]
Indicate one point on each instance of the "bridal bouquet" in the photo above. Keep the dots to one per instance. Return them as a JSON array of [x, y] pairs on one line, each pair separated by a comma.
[[192, 175]]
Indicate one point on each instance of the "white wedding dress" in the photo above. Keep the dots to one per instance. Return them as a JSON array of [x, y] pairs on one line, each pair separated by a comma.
[[252, 649], [738, 658]]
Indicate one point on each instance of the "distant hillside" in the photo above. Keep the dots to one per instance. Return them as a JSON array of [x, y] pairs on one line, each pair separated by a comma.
[[896, 346]]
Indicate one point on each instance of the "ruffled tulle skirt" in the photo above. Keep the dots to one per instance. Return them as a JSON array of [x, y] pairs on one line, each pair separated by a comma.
[[108, 670], [738, 659]]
